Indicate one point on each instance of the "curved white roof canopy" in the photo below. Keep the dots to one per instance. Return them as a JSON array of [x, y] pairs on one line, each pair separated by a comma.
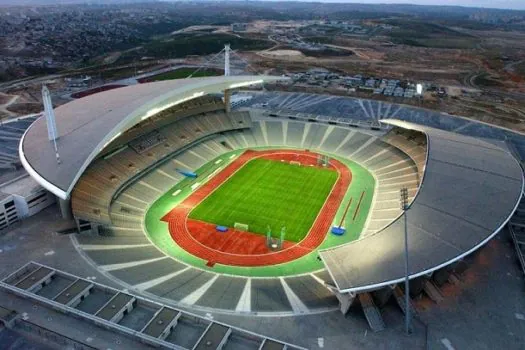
[[86, 125], [469, 191]]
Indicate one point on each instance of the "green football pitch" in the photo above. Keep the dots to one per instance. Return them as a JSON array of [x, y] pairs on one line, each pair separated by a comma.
[[269, 193]]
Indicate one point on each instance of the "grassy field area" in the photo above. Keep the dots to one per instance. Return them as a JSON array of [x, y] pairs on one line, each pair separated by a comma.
[[182, 73], [269, 193], [183, 45], [158, 230]]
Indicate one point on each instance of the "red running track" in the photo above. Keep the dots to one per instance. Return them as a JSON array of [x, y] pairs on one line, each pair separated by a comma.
[[201, 239]]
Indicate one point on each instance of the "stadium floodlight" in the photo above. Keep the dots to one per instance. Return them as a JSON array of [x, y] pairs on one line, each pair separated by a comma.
[[238, 85], [404, 206], [156, 110]]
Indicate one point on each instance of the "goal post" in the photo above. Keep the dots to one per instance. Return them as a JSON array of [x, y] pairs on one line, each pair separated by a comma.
[[240, 226]]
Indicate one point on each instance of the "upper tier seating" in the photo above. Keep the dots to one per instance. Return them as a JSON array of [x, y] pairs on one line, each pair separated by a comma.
[[93, 193], [391, 166], [204, 104]]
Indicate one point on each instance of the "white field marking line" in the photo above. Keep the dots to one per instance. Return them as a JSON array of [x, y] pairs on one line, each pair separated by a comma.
[[447, 344], [109, 247], [112, 267], [295, 302], [245, 301], [214, 172], [277, 252], [193, 297], [152, 283]]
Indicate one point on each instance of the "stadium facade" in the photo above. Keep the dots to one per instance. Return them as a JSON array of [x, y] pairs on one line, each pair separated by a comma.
[[462, 190]]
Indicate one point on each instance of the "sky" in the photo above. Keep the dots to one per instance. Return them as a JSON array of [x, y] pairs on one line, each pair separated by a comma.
[[503, 4]]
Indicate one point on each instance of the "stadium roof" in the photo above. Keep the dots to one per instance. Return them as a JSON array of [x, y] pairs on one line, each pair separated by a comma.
[[469, 191], [86, 125]]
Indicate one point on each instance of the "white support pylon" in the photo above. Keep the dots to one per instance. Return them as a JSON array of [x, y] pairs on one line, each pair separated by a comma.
[[50, 119], [227, 60]]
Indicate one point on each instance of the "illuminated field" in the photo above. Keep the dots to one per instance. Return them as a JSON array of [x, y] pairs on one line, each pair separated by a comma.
[[269, 193]]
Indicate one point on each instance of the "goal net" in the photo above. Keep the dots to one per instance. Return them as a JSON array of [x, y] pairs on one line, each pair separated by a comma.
[[241, 227]]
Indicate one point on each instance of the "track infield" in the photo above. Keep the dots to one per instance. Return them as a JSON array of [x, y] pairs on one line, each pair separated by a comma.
[[269, 193], [192, 242]]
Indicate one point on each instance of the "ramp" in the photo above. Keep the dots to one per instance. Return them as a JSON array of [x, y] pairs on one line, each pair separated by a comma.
[[372, 313], [399, 295], [432, 291]]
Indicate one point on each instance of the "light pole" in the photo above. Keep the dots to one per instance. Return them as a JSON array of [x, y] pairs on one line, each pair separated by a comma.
[[404, 207]]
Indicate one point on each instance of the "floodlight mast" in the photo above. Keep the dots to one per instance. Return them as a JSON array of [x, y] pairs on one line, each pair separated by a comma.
[[50, 119], [404, 207]]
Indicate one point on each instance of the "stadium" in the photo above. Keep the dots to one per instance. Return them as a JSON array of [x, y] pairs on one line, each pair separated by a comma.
[[270, 208]]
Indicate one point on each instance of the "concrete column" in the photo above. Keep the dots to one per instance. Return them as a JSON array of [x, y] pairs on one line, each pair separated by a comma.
[[65, 208], [381, 296], [345, 301], [227, 98]]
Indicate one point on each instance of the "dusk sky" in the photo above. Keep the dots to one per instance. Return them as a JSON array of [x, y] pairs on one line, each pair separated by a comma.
[[505, 4]]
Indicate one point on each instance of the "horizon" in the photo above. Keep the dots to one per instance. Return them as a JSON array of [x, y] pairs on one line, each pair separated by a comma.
[[482, 4]]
